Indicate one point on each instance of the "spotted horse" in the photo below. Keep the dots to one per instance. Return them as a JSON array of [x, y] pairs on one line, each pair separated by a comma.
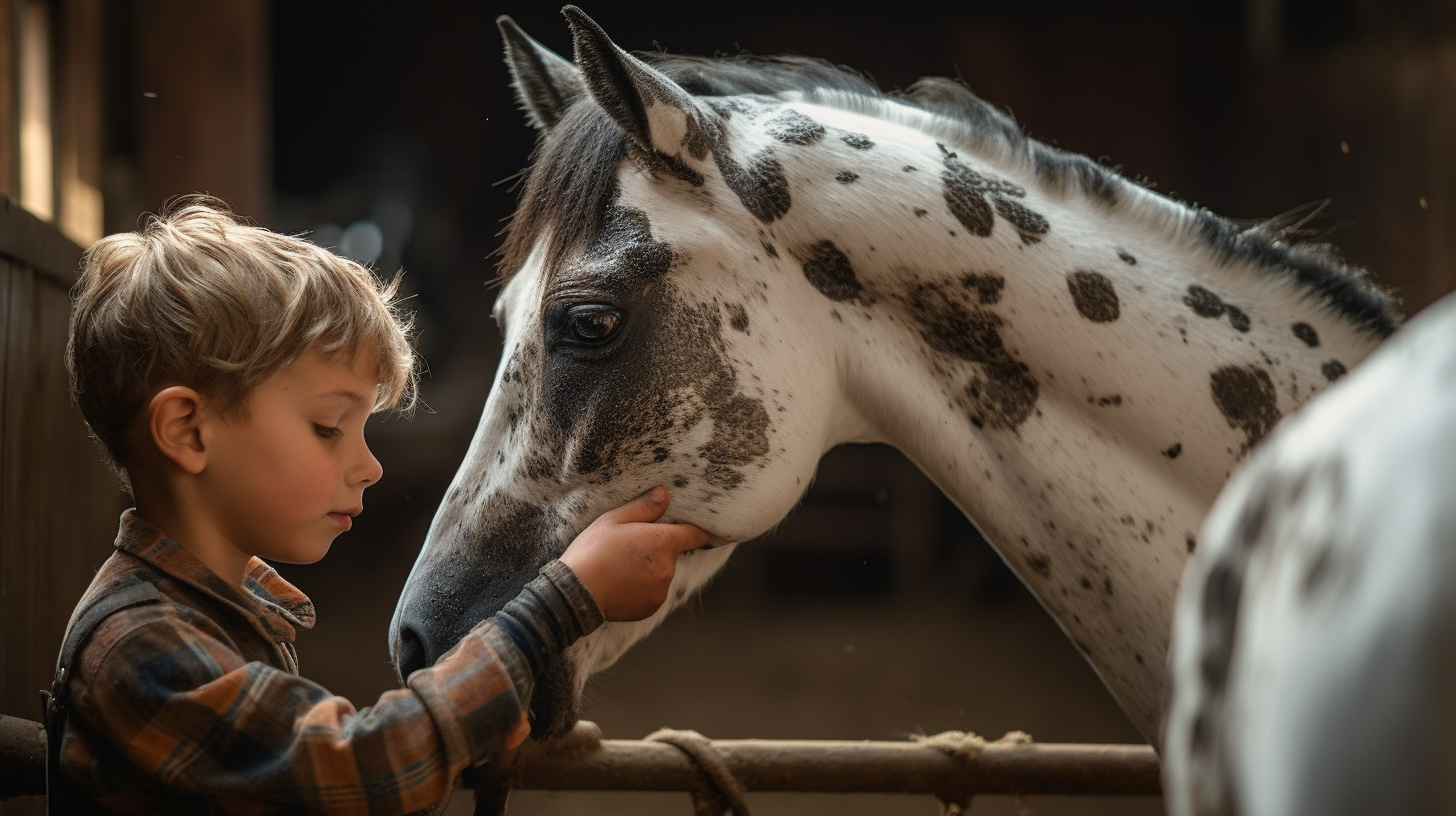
[[1314, 645], [720, 268]]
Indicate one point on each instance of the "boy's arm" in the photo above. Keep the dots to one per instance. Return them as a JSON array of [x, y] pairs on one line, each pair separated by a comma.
[[185, 709], [619, 568], [167, 690], [552, 612]]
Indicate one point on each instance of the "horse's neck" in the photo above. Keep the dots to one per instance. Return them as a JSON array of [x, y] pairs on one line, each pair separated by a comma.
[[1081, 407]]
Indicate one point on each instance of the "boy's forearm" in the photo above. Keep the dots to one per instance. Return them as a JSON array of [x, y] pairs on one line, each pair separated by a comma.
[[552, 612]]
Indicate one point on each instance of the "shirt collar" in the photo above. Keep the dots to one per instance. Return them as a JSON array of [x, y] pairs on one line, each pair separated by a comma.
[[265, 595]]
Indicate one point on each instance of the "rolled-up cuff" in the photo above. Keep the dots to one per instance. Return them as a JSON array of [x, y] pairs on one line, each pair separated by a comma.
[[583, 606], [552, 612]]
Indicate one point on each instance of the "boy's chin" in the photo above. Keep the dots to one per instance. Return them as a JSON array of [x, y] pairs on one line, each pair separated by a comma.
[[301, 559]]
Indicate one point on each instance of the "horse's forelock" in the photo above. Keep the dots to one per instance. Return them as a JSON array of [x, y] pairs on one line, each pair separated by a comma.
[[571, 183]]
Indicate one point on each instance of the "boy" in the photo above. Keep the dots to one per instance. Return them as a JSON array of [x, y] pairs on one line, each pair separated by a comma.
[[228, 372]]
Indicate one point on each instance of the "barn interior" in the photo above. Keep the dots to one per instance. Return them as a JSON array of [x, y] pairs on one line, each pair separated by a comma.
[[876, 610]]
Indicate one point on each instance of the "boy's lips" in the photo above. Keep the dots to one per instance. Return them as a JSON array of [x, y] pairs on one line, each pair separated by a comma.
[[345, 518]]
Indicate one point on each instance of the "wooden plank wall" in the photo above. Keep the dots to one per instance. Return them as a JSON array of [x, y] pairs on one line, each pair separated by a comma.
[[58, 503]]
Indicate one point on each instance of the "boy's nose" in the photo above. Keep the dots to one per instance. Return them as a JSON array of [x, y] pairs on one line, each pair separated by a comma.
[[370, 470]]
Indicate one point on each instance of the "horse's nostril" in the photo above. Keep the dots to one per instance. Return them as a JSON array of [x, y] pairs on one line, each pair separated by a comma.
[[411, 656]]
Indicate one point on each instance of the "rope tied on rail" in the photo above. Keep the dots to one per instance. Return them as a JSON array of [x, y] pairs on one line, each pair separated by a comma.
[[965, 747], [726, 792]]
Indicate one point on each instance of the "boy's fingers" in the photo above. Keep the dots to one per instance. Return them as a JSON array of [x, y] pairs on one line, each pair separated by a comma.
[[647, 507], [687, 537]]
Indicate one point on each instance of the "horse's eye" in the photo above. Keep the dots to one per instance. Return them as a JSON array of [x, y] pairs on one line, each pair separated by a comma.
[[590, 325]]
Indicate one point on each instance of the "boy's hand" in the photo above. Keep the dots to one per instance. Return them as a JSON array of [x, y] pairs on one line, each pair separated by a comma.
[[625, 561]]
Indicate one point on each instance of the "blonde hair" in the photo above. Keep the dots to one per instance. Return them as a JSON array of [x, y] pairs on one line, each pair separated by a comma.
[[199, 297]]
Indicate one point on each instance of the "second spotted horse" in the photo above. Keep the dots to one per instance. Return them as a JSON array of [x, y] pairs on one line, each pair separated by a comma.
[[721, 268]]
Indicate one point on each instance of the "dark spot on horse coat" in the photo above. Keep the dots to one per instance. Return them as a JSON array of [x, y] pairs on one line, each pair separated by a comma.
[[792, 127], [1094, 296], [987, 287], [626, 250], [846, 177], [1200, 735], [1030, 225], [1040, 564], [1205, 303], [738, 317], [1126, 258], [1004, 394], [1307, 334], [1245, 395], [1173, 452], [1253, 521], [858, 141], [761, 184], [966, 195], [770, 249], [965, 200], [1333, 370], [1002, 400], [671, 165], [830, 271], [740, 435], [1191, 542], [1238, 319], [1222, 591]]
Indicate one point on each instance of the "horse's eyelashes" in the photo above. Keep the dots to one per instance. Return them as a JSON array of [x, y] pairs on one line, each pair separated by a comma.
[[591, 325]]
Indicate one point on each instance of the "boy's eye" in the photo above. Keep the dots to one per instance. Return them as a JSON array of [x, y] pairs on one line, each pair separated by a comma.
[[325, 431]]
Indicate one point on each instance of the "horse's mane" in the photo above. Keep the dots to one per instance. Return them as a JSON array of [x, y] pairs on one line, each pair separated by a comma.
[[572, 178]]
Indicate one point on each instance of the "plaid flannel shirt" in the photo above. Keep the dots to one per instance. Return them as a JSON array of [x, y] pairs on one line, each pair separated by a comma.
[[193, 704]]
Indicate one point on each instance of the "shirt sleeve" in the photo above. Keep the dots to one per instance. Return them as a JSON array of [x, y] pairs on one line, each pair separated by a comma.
[[181, 705]]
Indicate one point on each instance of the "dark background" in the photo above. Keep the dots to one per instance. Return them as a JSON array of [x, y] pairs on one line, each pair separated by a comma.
[[875, 611]]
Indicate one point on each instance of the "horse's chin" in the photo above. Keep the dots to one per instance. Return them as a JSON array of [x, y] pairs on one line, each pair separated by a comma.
[[555, 702]]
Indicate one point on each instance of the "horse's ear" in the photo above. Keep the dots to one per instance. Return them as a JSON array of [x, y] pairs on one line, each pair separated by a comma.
[[545, 83], [655, 112]]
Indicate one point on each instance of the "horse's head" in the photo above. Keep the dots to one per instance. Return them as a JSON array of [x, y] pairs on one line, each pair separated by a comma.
[[654, 334]]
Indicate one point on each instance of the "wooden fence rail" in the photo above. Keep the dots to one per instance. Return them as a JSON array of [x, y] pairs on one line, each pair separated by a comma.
[[951, 767]]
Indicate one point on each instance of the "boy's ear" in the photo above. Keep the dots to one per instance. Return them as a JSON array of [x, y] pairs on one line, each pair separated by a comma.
[[174, 422]]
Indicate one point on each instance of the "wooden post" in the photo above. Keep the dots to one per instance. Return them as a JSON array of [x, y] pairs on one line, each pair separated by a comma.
[[203, 116], [58, 503]]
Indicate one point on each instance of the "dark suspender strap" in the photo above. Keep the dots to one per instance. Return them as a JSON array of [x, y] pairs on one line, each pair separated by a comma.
[[61, 795]]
